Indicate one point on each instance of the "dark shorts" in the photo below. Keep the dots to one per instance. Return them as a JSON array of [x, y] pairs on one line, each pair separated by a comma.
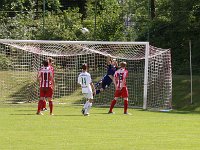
[[106, 81]]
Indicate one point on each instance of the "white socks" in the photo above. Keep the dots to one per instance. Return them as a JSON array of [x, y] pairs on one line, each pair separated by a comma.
[[87, 107]]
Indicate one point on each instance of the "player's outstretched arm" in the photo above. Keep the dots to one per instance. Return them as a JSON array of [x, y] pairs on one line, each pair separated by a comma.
[[115, 82], [93, 88], [108, 59]]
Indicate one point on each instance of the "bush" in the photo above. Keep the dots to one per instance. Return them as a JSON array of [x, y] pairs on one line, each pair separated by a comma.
[[5, 62]]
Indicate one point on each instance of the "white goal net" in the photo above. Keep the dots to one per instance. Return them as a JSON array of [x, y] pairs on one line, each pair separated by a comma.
[[149, 81]]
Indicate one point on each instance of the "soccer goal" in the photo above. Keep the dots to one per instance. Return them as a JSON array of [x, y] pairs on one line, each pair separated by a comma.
[[149, 81]]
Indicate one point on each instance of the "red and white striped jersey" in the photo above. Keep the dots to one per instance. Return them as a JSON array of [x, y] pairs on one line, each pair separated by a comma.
[[45, 76], [120, 77]]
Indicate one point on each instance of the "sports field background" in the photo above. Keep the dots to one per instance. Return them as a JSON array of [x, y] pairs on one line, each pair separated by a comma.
[[22, 129]]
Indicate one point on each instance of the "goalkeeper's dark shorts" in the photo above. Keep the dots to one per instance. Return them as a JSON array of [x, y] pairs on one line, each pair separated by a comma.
[[106, 81]]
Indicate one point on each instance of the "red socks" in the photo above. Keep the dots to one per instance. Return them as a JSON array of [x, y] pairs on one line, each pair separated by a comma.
[[51, 106], [44, 104], [113, 102], [125, 106], [40, 104]]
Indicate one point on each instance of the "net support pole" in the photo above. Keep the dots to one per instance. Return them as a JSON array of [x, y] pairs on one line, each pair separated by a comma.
[[43, 26], [190, 47], [146, 75], [95, 20]]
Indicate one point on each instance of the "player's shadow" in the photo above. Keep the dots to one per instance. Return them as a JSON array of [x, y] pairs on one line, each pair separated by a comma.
[[22, 114], [26, 110], [67, 115], [100, 113]]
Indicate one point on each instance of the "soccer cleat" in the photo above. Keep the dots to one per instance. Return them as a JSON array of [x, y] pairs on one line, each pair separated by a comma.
[[44, 109], [83, 111], [126, 113], [39, 113], [86, 114], [51, 114], [111, 112]]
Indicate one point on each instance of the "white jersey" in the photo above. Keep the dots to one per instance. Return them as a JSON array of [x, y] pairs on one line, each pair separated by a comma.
[[84, 79]]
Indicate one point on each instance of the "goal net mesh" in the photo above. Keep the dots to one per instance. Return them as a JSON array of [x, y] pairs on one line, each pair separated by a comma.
[[21, 60]]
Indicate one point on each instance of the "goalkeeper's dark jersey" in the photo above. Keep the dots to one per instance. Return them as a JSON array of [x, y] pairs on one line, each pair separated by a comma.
[[106, 80], [111, 70]]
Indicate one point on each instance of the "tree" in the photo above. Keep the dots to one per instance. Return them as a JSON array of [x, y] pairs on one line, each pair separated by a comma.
[[106, 20]]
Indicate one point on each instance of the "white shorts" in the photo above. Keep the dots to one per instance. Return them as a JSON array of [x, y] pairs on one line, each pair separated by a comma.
[[88, 95]]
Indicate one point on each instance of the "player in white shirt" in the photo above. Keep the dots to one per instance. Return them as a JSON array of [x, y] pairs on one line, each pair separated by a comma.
[[88, 89]]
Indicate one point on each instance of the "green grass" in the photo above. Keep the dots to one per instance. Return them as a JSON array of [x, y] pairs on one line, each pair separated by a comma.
[[14, 84], [21, 129], [182, 95]]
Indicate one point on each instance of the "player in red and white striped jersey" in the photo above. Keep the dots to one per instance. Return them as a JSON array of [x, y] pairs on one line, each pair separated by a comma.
[[121, 89], [45, 77], [50, 65]]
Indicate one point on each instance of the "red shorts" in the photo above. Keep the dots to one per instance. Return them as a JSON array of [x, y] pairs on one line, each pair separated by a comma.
[[46, 92], [122, 93]]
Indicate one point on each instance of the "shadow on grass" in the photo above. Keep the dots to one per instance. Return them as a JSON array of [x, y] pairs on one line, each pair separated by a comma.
[[184, 112], [26, 110], [101, 113], [23, 114], [68, 115], [181, 112]]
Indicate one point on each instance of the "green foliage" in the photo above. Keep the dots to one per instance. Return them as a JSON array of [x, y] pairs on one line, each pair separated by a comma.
[[5, 62], [22, 26], [62, 26], [108, 23], [175, 23]]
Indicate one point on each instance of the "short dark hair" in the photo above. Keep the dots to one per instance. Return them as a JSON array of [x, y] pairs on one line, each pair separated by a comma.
[[84, 66], [45, 63]]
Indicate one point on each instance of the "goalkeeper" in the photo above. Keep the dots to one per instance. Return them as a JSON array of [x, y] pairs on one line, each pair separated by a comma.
[[105, 82]]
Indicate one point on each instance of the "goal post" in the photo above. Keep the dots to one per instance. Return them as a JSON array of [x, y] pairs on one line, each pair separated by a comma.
[[146, 75], [149, 81]]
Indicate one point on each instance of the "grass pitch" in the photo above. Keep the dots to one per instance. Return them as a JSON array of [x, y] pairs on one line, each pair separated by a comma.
[[21, 129]]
